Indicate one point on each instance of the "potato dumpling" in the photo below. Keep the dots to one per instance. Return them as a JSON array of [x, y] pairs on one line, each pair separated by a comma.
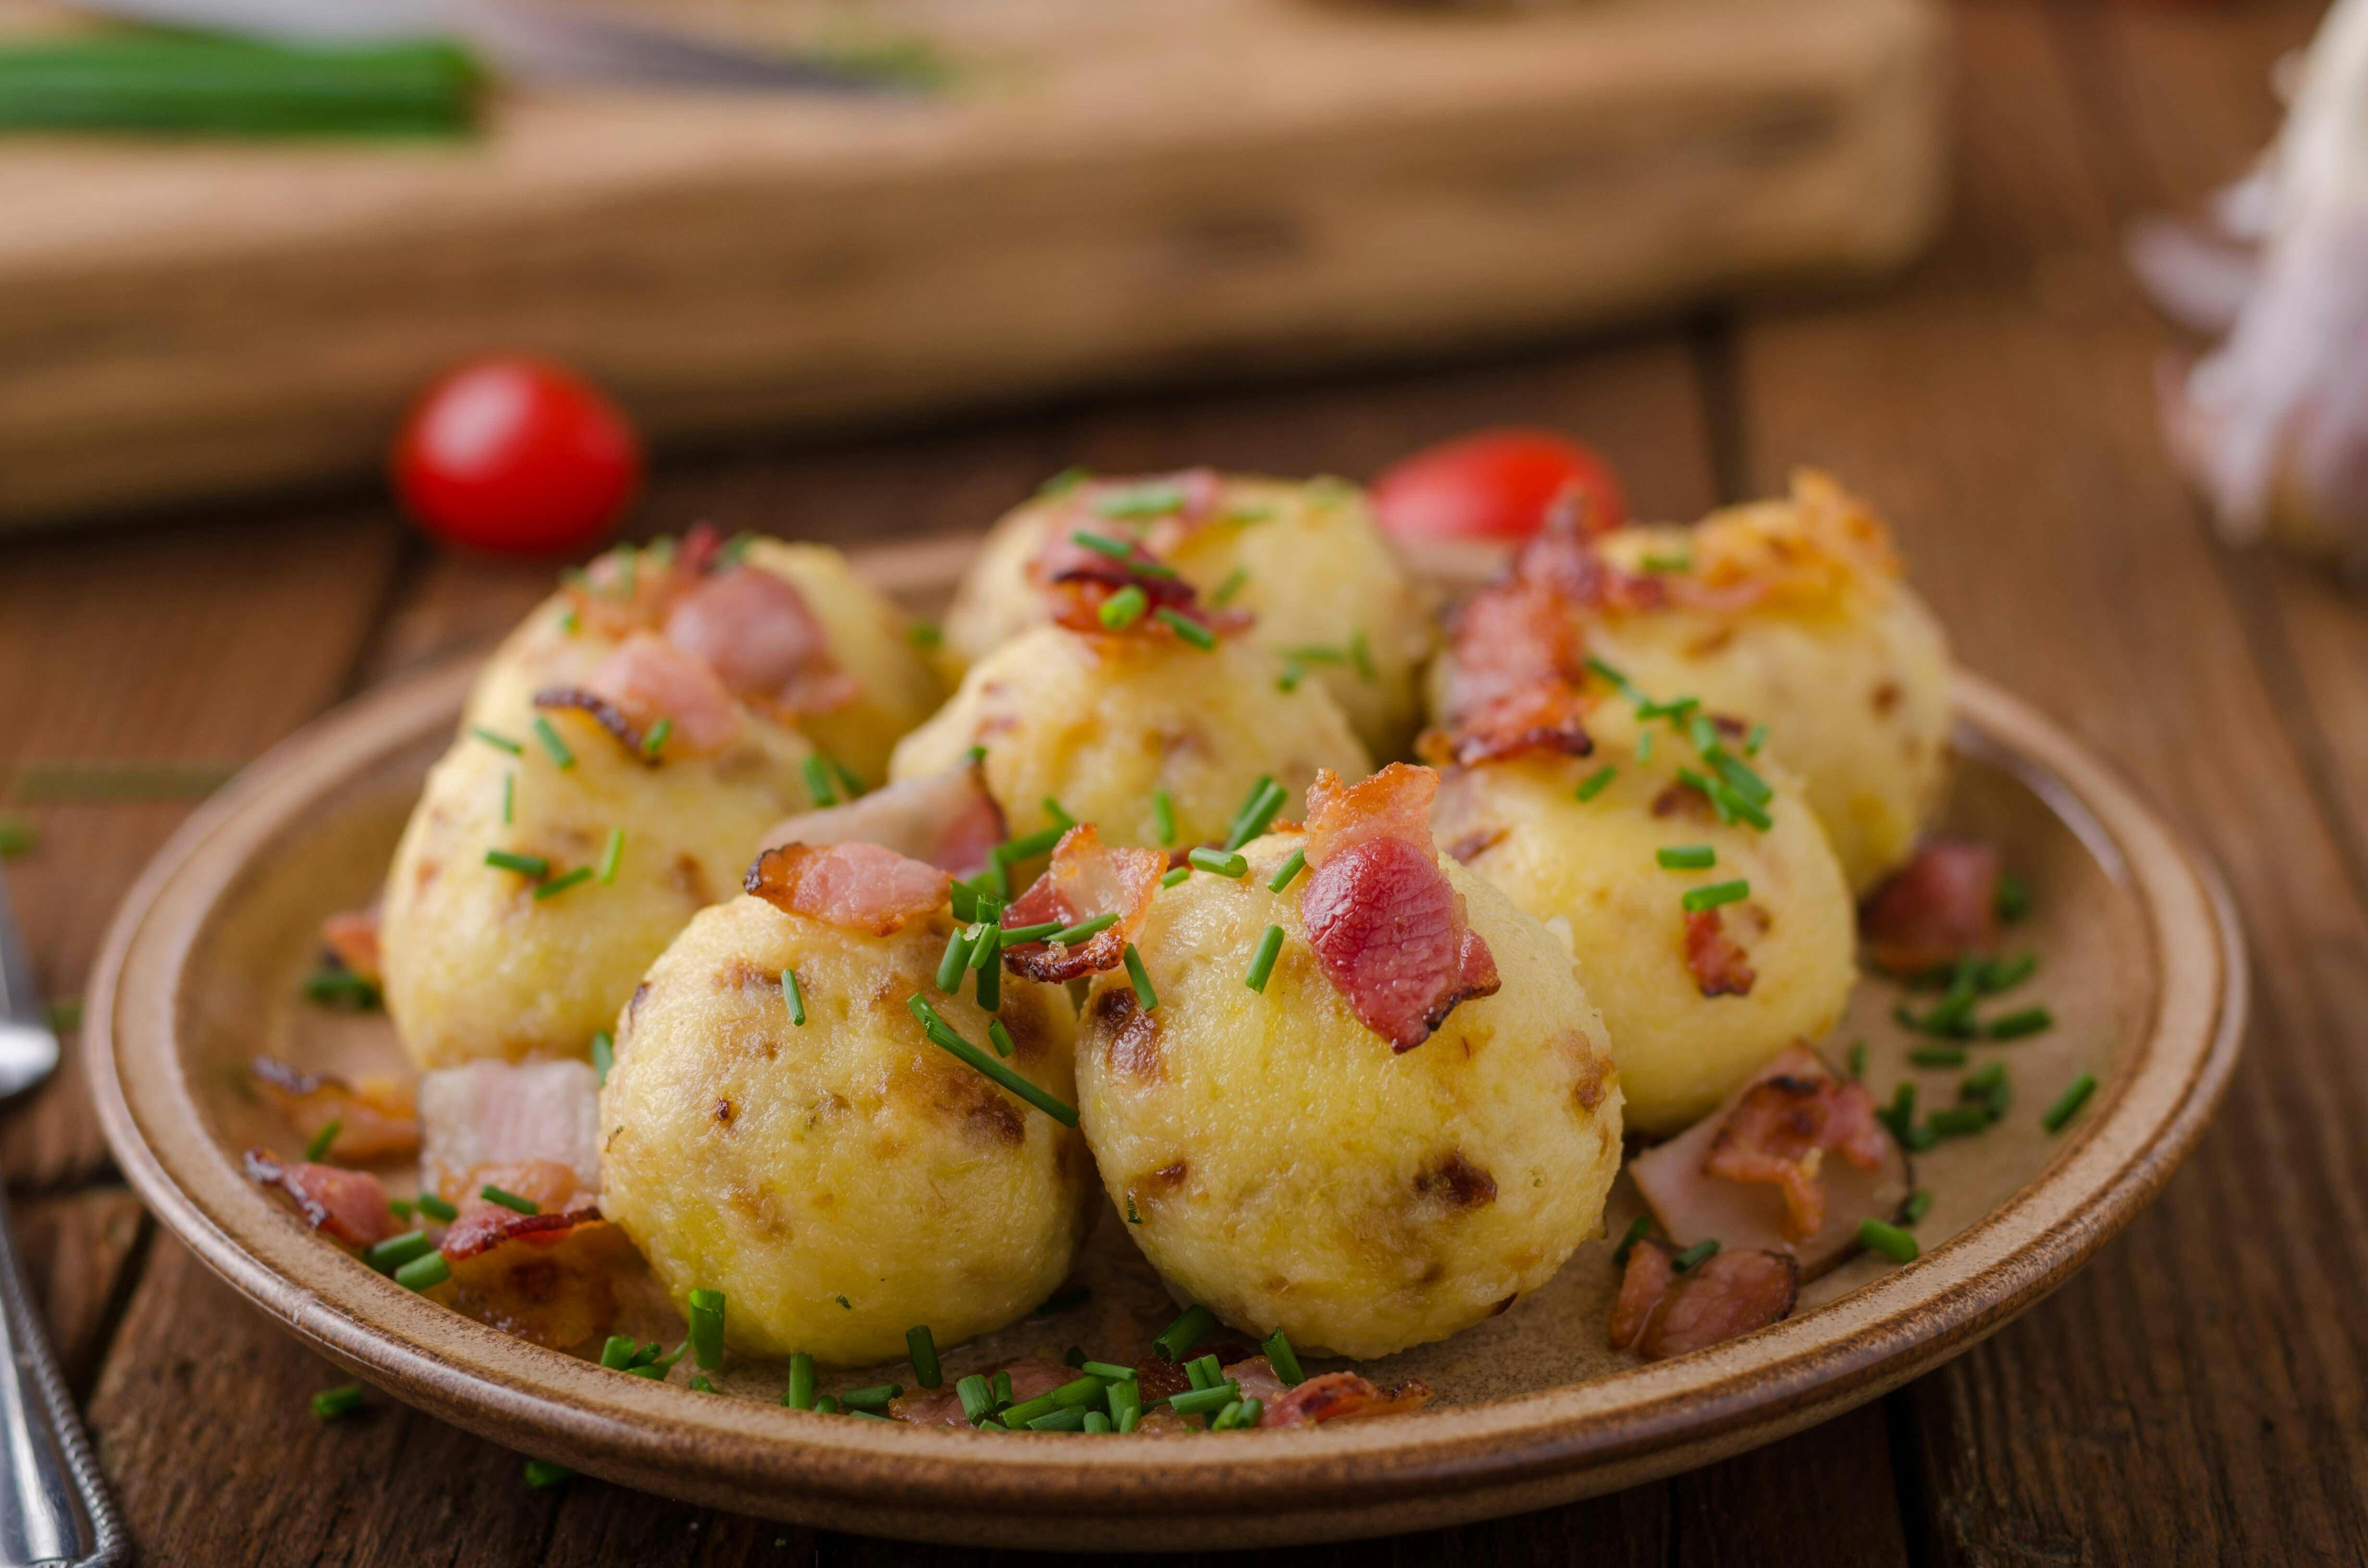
[[845, 1180], [1589, 868], [1323, 582], [1101, 722], [870, 638], [476, 964], [1793, 612], [1283, 1165]]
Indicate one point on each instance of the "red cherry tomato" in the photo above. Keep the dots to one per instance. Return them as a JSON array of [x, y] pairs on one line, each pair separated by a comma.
[[1495, 484], [518, 456]]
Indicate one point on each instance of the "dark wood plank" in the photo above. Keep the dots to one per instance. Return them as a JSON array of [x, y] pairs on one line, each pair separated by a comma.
[[77, 1250], [2195, 1395]]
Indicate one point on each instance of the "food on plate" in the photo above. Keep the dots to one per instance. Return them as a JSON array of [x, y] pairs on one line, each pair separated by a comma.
[[946, 819], [1496, 484], [780, 1127], [1323, 591], [364, 1120], [517, 455], [1153, 723], [486, 1114], [617, 762], [1368, 1107], [1938, 907], [1671, 1302]]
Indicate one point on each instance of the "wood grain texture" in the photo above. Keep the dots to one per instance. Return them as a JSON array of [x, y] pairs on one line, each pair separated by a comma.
[[79, 1248]]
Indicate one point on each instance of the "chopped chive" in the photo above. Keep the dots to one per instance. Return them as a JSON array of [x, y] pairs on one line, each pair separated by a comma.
[[1097, 1422], [2005, 974], [1652, 563], [943, 1036], [1716, 894], [1184, 1333], [617, 1354], [1084, 930], [1163, 813], [1957, 1121], [560, 884], [707, 1329], [1028, 1410], [1205, 1402], [1741, 779], [1638, 1229], [1686, 857], [1270, 947], [800, 1393], [1185, 627], [1109, 1371], [16, 837], [1315, 653], [1282, 1358], [334, 985], [1041, 842], [424, 1273], [1122, 608], [1858, 1059], [495, 738], [553, 743], [392, 1254], [2015, 1026], [2012, 899], [1126, 1405], [331, 1403], [977, 1399], [1000, 1385], [1626, 688], [699, 1383], [1059, 813], [437, 1209], [612, 856], [795, 997], [1289, 872], [964, 898], [1266, 802], [922, 1347], [1068, 478], [1755, 740], [542, 1474], [955, 960], [1233, 584], [322, 1139], [1226, 1420], [924, 634], [1116, 549], [1219, 862], [1140, 501], [2068, 1104], [1206, 1372], [1677, 710], [1176, 877], [1135, 971], [875, 1397], [1595, 783], [654, 741], [827, 1405], [508, 1199], [1982, 1081], [524, 865], [401, 1206], [1070, 1418], [604, 1056], [1919, 1204], [1916, 1139], [509, 799], [1086, 1390], [1645, 749], [1889, 1239], [1937, 1056], [819, 785], [1694, 1257], [999, 1038], [1020, 936]]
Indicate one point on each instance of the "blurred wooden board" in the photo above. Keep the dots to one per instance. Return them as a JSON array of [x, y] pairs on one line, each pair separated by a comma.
[[1100, 194]]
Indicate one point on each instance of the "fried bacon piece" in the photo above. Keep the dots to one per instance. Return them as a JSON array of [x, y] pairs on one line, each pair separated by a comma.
[[1818, 544], [616, 599], [1343, 1396], [1940, 904], [764, 642], [856, 887], [1078, 579], [1385, 922], [351, 936], [375, 1116], [1562, 557], [942, 1407], [1197, 490], [1718, 962], [1661, 1312], [947, 819], [350, 1206], [1085, 879], [645, 679], [548, 1277], [492, 1113], [1791, 1163]]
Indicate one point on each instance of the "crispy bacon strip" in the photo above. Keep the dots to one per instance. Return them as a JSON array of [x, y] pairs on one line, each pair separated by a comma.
[[1719, 964], [856, 887], [1780, 1132], [349, 1205], [1940, 904], [1385, 922], [1661, 1312], [375, 1116], [614, 603], [647, 678], [1343, 1396], [493, 1113], [351, 936], [757, 633], [547, 1276], [1085, 880], [947, 819], [1078, 580]]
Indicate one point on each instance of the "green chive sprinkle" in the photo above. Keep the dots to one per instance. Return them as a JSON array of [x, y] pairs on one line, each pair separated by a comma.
[[2013, 898], [1638, 1229], [1889, 1239], [542, 1473], [924, 634], [1026, 1411], [1981, 1083], [1061, 484], [617, 1354], [1084, 930], [977, 1400], [707, 1329], [1185, 1332], [1097, 1422], [509, 799], [1258, 813], [331, 1403], [1289, 872], [654, 741], [1741, 779], [392, 1254], [1176, 877], [1163, 813], [999, 1037], [553, 743], [955, 960], [1070, 1418], [1126, 1405], [1694, 1257], [1686, 857], [604, 1056], [800, 1393], [1677, 711], [922, 1345], [2005, 974], [1122, 608], [1919, 1204], [1711, 897], [1282, 1358], [524, 865], [1185, 627], [322, 1139], [2015, 1026], [2068, 1104], [1000, 1384], [963, 898], [827, 1405], [1667, 562], [1206, 1372], [1205, 1402], [560, 884], [437, 1209], [1102, 544], [612, 856], [492, 1194], [943, 1036], [1916, 1139], [1135, 971], [401, 1207], [1937, 1056], [1219, 862], [1597, 782], [1020, 936], [1109, 1371], [986, 953], [495, 738], [1028, 847], [1858, 1059], [699, 1383], [1270, 947], [424, 1273], [16, 837], [1233, 584], [1754, 740], [819, 785], [1957, 1121], [875, 1397], [1627, 687]]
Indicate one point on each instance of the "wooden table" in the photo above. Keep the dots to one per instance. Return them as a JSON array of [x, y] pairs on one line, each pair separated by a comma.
[[2199, 1395]]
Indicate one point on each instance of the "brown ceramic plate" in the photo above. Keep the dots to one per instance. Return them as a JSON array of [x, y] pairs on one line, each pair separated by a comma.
[[2141, 964]]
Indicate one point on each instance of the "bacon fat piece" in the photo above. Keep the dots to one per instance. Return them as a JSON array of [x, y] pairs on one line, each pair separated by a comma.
[[1343, 1396], [375, 1117], [645, 679], [1078, 580], [1085, 879], [490, 1113], [350, 1206], [856, 887], [1940, 904], [762, 639], [547, 1276], [1719, 964], [351, 935], [1780, 1134], [1661, 1312], [947, 820], [1385, 922]]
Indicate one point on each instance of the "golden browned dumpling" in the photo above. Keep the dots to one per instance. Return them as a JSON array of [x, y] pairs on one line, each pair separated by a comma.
[[1107, 724], [1289, 1166], [1330, 596], [843, 1180]]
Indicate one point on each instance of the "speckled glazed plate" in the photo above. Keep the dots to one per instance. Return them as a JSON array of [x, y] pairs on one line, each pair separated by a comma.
[[2141, 966]]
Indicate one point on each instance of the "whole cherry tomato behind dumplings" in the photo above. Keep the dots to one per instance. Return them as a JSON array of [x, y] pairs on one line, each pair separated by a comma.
[[517, 456]]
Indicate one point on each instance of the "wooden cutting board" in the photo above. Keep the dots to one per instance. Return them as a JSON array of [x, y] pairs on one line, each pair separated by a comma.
[[1100, 194]]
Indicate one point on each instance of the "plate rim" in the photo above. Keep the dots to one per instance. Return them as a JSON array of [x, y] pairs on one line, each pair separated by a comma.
[[1330, 1482]]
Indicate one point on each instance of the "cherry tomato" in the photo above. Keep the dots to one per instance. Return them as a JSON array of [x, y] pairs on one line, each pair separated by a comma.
[[518, 456], [1495, 484]]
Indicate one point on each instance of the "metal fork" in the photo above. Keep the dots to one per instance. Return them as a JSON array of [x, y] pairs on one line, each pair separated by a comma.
[[53, 1504]]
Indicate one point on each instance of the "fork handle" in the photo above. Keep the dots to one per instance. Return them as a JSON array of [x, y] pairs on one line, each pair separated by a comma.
[[53, 1505]]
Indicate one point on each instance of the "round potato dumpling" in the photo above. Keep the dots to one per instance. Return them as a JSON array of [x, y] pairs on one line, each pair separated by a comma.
[[1103, 723], [1328, 592], [1687, 1026], [843, 1180], [475, 965], [1283, 1166], [870, 640], [1793, 612]]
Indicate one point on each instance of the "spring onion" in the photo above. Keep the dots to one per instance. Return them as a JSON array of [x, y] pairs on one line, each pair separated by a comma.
[[1701, 1251], [1122, 608], [1205, 1402], [560, 884], [1716, 894], [955, 960], [977, 1399], [424, 1273], [1289, 872], [322, 1139], [1595, 783], [1135, 972], [434, 1207], [1218, 862], [999, 1038], [707, 1329], [1270, 947], [524, 865], [1638, 1229], [331, 1403], [1889, 1239], [800, 1393], [1176, 877], [508, 1199], [1184, 1333], [1282, 1358], [612, 856], [922, 1345], [1686, 857], [944, 1037], [2068, 1104]]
